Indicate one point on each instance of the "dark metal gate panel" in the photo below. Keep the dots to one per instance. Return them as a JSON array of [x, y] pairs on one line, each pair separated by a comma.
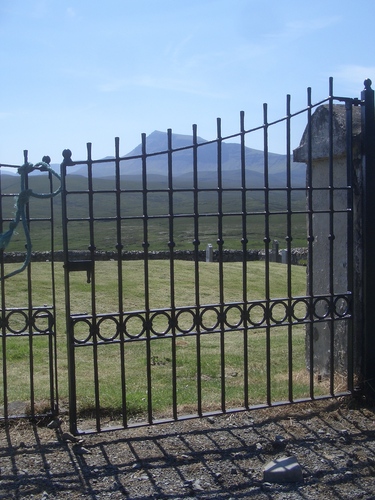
[[27, 287], [135, 244]]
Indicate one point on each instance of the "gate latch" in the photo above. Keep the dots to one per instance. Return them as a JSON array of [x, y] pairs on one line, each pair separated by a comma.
[[81, 265]]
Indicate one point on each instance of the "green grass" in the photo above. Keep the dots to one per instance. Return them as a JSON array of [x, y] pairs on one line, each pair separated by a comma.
[[163, 353], [133, 224]]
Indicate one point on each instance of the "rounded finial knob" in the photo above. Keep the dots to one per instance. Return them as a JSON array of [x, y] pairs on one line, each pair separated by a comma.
[[67, 154], [367, 83], [46, 159]]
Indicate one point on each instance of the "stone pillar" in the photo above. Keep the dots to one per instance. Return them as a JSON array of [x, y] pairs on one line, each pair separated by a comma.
[[321, 258]]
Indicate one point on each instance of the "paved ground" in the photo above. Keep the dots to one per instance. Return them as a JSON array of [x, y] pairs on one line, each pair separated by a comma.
[[217, 458]]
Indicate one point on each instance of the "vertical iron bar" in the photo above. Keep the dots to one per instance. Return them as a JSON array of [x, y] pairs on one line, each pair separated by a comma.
[[350, 242], [267, 241], [196, 244], [368, 133], [119, 248], [92, 249], [171, 245], [310, 241], [289, 247], [146, 277], [220, 243], [69, 323], [52, 325], [3, 313], [331, 237], [30, 301], [244, 242]]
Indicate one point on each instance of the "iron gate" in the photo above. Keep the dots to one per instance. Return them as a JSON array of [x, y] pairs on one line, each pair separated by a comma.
[[28, 305], [183, 296], [160, 319]]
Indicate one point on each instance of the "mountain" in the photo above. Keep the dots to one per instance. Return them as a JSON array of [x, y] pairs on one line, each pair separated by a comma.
[[207, 158]]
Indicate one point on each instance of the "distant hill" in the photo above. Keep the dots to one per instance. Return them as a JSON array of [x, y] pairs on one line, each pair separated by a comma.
[[132, 200], [157, 163]]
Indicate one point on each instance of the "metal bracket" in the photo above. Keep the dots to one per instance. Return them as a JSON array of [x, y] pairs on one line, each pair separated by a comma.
[[81, 265]]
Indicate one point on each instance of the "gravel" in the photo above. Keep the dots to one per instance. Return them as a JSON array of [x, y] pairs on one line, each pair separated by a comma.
[[209, 458]]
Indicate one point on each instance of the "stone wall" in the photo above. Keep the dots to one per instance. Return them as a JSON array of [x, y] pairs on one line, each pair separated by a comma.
[[299, 256]]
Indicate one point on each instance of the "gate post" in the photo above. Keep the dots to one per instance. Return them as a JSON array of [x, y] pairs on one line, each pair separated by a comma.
[[368, 158]]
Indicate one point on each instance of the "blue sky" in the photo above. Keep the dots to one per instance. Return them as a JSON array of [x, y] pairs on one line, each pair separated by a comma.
[[77, 71]]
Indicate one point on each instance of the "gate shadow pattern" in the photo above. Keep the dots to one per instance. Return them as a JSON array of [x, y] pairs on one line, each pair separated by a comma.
[[211, 459]]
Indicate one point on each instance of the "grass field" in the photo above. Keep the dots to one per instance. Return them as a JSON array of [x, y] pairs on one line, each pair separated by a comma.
[[166, 354]]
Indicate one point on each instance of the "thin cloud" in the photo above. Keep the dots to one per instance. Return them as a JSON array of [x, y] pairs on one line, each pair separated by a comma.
[[168, 84], [302, 27]]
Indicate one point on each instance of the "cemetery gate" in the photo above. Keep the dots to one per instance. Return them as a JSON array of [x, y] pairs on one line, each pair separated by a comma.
[[209, 277]]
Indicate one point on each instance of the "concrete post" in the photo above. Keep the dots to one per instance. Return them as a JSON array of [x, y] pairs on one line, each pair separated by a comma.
[[322, 150]]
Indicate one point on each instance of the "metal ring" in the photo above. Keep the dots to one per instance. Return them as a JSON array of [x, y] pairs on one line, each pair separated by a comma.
[[41, 314], [252, 307], [86, 339], [204, 311], [346, 310], [141, 331], [296, 302], [155, 315], [230, 308], [322, 300], [275, 304], [24, 316], [117, 330], [178, 316]]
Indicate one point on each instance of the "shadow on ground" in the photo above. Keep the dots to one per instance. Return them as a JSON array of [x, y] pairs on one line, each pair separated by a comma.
[[218, 458]]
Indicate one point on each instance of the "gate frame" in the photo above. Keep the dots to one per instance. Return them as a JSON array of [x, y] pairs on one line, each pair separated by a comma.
[[29, 312], [364, 339], [367, 386], [89, 265]]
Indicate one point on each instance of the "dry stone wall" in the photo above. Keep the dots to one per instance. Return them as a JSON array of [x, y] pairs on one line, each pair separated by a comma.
[[298, 256]]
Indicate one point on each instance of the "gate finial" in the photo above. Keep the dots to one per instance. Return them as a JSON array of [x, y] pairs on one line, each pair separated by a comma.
[[367, 83], [67, 155]]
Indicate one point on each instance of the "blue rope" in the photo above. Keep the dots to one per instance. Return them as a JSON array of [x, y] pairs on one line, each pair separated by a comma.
[[21, 202]]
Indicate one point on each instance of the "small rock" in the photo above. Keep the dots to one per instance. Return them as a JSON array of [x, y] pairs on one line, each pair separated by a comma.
[[194, 484], [283, 470], [55, 423], [69, 437], [197, 485], [266, 486], [210, 420], [279, 442]]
